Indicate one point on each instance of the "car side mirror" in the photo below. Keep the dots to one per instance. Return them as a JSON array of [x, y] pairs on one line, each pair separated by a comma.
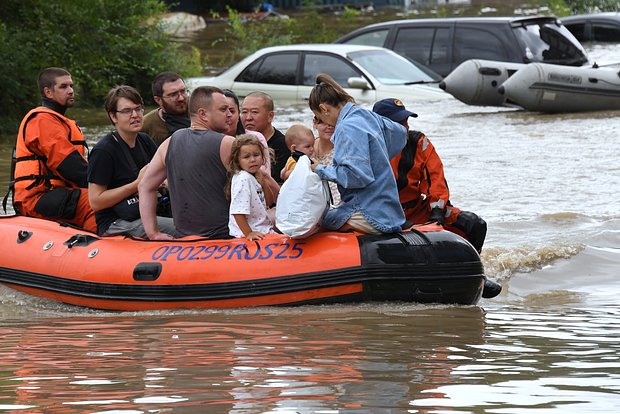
[[358, 83]]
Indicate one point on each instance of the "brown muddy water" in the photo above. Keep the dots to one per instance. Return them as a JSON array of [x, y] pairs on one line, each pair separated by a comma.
[[550, 343]]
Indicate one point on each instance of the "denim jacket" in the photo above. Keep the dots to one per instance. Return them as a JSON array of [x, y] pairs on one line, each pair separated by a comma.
[[364, 143]]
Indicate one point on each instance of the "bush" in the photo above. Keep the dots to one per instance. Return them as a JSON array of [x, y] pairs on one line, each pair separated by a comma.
[[568, 7], [250, 35], [101, 42], [592, 6]]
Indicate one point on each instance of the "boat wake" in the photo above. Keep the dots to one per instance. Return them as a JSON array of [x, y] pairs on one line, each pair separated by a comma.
[[500, 263]]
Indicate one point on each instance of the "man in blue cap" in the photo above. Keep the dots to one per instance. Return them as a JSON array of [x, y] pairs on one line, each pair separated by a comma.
[[422, 186]]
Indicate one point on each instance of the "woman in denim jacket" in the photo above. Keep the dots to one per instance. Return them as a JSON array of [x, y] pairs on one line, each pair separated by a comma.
[[364, 142]]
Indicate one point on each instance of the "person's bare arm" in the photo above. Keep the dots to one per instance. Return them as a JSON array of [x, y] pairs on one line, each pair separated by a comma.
[[285, 173], [147, 189], [271, 188], [249, 234], [101, 197]]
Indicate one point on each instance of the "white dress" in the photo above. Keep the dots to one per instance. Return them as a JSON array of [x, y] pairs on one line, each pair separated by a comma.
[[246, 197]]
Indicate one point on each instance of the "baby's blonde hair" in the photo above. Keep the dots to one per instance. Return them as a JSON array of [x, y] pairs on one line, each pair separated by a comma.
[[296, 133]]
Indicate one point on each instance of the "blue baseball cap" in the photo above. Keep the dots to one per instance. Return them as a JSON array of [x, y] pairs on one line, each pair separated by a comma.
[[393, 108]]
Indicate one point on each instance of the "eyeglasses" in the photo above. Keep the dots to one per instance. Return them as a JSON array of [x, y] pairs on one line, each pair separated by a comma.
[[139, 110], [175, 95]]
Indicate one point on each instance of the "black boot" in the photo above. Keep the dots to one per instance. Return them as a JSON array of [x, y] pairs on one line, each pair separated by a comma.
[[491, 288]]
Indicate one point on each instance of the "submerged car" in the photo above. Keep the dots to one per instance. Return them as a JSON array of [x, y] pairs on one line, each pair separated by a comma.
[[367, 73], [597, 27], [444, 43]]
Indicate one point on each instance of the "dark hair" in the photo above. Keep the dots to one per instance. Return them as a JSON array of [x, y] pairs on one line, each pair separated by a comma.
[[327, 91], [230, 94], [233, 164], [202, 98], [118, 92], [158, 83], [47, 78]]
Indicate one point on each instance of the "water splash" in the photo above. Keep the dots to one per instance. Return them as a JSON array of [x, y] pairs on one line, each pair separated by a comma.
[[500, 263]]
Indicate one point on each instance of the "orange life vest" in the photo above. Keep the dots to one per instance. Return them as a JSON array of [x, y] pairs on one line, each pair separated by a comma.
[[36, 159]]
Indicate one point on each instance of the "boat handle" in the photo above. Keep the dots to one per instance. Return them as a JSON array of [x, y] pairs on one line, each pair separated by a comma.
[[428, 295], [146, 272], [23, 235], [489, 71], [80, 240]]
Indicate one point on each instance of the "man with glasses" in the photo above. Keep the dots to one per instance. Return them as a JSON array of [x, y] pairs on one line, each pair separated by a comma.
[[49, 167], [116, 166], [170, 93]]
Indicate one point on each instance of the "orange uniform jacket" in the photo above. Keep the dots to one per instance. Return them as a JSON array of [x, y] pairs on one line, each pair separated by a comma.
[[420, 177], [49, 154], [422, 186]]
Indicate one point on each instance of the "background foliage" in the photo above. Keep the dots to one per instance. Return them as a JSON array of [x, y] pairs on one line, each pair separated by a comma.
[[102, 43], [592, 6], [249, 35]]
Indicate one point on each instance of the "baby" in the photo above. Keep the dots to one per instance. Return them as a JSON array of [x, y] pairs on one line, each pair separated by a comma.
[[300, 140]]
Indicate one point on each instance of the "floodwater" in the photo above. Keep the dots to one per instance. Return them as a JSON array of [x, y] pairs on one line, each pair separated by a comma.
[[550, 343]]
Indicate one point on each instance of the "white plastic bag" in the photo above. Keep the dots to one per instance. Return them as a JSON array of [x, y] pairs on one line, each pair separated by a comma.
[[303, 201]]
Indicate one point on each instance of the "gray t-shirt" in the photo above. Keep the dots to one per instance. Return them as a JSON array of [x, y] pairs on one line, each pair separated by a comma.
[[196, 180]]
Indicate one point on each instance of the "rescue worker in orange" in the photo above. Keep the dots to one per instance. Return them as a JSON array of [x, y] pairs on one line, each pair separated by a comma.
[[49, 172], [422, 186], [423, 189]]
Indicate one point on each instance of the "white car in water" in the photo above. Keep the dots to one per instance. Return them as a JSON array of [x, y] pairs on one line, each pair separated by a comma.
[[367, 73]]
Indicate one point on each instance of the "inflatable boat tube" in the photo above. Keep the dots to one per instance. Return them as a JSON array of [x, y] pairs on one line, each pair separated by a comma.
[[553, 88], [424, 264], [476, 82]]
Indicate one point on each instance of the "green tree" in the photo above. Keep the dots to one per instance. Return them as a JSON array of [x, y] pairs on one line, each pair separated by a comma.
[[567, 7], [101, 42], [250, 35]]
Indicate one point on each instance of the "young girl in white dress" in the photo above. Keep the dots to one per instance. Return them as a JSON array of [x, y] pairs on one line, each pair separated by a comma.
[[249, 190]]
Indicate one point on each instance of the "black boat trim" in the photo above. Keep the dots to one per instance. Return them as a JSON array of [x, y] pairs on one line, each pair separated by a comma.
[[384, 274]]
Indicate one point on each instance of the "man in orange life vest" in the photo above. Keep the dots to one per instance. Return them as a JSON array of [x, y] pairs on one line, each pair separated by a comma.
[[50, 169], [422, 187]]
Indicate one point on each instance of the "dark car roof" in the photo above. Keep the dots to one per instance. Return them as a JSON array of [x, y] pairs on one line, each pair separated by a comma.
[[594, 27], [484, 20], [584, 17]]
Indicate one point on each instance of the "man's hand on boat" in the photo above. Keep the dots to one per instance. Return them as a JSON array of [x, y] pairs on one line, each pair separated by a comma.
[[161, 236]]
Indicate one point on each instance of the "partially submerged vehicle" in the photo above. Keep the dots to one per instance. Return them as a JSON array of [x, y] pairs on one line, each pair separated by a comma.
[[288, 73], [444, 43]]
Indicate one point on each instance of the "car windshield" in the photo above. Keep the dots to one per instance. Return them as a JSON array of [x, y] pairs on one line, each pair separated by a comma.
[[390, 68], [550, 43]]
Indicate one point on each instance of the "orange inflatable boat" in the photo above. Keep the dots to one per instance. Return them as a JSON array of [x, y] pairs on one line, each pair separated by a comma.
[[70, 265]]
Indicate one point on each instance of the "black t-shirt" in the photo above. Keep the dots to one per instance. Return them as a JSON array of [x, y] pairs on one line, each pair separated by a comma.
[[277, 143], [113, 164]]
